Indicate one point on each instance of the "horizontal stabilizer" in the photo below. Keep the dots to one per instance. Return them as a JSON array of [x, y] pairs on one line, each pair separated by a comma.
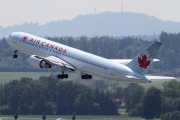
[[126, 61], [160, 78]]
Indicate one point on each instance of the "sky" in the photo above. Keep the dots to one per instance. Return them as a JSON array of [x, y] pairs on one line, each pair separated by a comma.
[[16, 12]]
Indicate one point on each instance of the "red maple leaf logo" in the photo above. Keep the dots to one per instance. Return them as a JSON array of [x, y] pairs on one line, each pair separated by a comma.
[[25, 37], [143, 62]]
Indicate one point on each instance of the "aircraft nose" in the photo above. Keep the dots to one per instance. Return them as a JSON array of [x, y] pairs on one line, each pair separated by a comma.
[[7, 38]]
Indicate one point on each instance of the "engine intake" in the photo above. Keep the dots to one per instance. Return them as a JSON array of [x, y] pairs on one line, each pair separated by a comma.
[[38, 62], [43, 64]]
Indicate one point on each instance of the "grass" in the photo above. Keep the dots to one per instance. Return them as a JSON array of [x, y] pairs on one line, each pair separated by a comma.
[[69, 117], [6, 77]]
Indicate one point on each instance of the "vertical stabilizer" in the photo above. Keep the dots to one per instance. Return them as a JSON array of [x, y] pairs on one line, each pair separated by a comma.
[[143, 61]]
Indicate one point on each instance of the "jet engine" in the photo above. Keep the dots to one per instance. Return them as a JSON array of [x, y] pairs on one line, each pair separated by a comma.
[[38, 62]]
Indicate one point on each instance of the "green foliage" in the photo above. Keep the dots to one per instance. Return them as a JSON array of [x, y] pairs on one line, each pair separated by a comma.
[[171, 95], [152, 103], [28, 96], [133, 96], [171, 89], [175, 115]]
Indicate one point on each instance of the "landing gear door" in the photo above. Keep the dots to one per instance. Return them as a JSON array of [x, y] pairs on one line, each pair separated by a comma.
[[113, 71]]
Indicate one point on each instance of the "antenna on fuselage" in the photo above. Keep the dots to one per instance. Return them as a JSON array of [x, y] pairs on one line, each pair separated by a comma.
[[121, 5], [95, 10]]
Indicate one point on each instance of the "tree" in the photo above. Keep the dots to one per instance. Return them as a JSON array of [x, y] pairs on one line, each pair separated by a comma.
[[28, 96], [133, 95], [171, 89], [175, 115], [171, 96], [152, 103], [66, 94]]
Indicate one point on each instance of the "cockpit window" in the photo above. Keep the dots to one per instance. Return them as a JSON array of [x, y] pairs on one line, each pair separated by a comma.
[[10, 35]]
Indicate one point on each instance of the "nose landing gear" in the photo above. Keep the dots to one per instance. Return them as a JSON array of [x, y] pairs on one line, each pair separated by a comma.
[[15, 54]]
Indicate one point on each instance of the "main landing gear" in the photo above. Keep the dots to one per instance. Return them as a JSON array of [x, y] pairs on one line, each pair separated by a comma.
[[15, 54], [86, 76], [62, 76]]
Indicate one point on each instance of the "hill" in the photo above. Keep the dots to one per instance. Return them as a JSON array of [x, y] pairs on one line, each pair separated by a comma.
[[107, 23]]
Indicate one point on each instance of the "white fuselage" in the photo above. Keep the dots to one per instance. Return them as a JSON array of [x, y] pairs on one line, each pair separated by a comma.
[[82, 61]]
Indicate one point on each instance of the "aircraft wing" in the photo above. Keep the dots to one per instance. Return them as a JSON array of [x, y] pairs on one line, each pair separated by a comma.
[[160, 78], [125, 61], [52, 60]]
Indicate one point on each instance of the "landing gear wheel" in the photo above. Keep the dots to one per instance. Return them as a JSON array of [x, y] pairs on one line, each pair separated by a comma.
[[90, 76], [86, 76], [59, 76], [62, 76], [15, 56], [66, 76], [82, 76]]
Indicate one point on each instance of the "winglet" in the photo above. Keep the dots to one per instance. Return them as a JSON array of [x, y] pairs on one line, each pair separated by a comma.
[[141, 62]]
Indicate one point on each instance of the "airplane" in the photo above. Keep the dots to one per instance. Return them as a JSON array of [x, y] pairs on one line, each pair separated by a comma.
[[46, 54]]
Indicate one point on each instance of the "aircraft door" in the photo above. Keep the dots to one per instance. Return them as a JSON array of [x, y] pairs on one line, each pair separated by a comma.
[[15, 39], [113, 71]]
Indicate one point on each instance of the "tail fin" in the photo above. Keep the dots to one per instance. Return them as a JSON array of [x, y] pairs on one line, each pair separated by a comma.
[[142, 61]]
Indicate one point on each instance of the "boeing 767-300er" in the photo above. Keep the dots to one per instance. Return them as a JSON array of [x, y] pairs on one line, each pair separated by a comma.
[[46, 54]]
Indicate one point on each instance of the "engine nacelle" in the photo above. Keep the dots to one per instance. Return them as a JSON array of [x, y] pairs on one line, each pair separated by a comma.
[[38, 62]]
